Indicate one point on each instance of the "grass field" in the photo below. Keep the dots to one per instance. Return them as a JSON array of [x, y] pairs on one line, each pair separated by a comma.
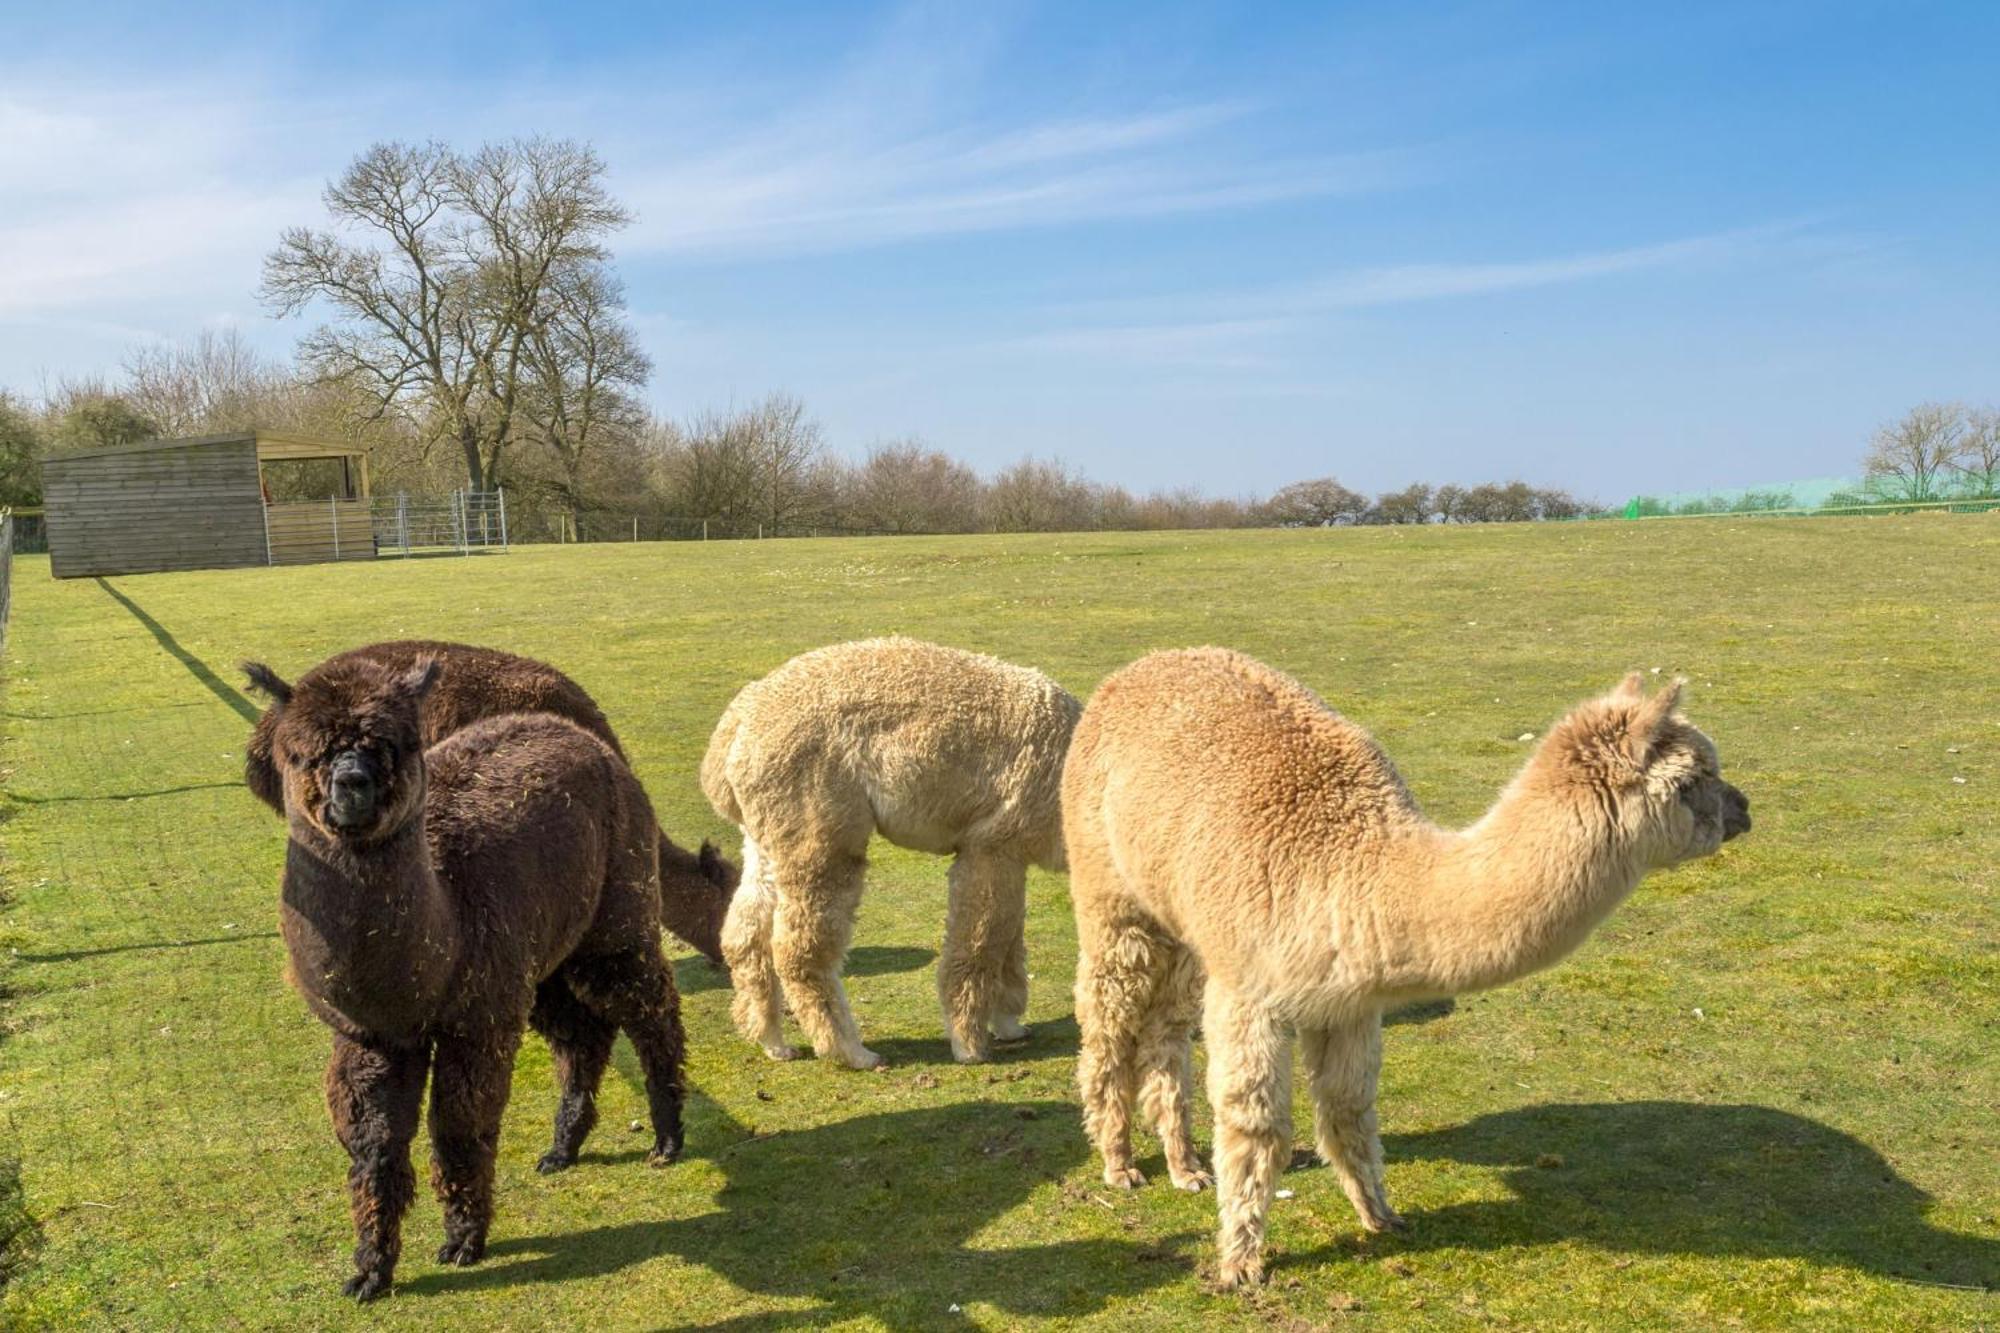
[[1766, 1093]]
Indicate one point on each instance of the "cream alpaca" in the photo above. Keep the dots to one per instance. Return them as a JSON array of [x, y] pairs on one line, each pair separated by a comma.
[[936, 749], [1223, 822]]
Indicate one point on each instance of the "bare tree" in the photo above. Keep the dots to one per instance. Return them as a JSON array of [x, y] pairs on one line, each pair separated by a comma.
[[436, 270], [1412, 504], [785, 446], [1979, 456], [1910, 459], [586, 369], [216, 383], [906, 487], [1036, 496], [1314, 504]]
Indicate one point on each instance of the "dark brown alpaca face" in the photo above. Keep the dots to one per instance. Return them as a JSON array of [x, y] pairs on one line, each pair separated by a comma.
[[348, 746]]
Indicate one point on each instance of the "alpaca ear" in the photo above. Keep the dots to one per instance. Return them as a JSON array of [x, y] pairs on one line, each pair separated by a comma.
[[419, 679], [267, 683], [1631, 689], [1650, 718]]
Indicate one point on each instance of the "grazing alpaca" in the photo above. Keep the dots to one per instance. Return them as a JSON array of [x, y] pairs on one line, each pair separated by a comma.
[[1224, 822], [438, 901], [695, 887], [935, 749]]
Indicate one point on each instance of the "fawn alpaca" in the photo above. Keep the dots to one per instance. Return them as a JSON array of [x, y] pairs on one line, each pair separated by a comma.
[[1226, 827], [435, 903], [937, 749]]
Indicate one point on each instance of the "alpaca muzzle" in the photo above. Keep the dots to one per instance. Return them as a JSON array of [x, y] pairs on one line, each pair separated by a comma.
[[1735, 814], [351, 792]]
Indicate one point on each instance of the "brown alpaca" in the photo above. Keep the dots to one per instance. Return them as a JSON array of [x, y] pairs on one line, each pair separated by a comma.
[[436, 902], [936, 749], [695, 887], [1224, 823]]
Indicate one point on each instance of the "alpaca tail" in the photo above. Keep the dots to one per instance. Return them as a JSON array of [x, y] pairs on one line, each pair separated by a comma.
[[715, 768]]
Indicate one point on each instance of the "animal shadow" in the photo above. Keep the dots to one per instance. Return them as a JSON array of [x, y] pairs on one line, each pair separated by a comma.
[[695, 974], [1683, 1178], [871, 1218]]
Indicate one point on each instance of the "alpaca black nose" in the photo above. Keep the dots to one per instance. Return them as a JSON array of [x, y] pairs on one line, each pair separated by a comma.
[[351, 791], [1735, 814]]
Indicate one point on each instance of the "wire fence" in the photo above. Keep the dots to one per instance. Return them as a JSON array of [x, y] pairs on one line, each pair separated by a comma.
[[1818, 495]]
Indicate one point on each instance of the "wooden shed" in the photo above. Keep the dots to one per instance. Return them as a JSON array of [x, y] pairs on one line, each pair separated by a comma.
[[202, 503]]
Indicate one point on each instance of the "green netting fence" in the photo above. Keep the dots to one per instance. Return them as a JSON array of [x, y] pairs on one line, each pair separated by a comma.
[[1819, 495]]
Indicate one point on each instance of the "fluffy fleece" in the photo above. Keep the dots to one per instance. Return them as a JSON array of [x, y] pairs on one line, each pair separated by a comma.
[[1224, 825], [934, 748], [437, 902]]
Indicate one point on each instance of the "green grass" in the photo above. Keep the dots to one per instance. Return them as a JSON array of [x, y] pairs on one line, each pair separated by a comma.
[[1765, 1093]]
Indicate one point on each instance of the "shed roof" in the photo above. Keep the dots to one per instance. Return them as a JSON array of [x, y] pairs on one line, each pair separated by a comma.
[[271, 446]]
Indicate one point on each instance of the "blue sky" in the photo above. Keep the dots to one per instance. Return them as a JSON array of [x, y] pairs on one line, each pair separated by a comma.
[[1614, 247]]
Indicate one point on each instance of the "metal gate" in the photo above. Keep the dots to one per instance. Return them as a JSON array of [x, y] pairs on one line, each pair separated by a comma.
[[464, 521]]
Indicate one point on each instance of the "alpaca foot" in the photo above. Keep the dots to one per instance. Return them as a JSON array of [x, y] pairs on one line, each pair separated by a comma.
[[971, 1053], [1007, 1031], [665, 1153], [1235, 1274], [781, 1051], [1194, 1182], [1381, 1217], [553, 1161], [860, 1058], [462, 1252], [367, 1286], [1124, 1177]]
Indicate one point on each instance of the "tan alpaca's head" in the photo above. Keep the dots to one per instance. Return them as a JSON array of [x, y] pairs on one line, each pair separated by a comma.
[[348, 746], [1651, 771]]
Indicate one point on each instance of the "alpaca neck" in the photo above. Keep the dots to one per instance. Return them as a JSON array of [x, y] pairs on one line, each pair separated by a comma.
[[1512, 894], [371, 929]]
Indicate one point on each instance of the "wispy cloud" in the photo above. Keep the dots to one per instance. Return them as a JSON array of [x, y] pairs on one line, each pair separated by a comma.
[[1241, 329]]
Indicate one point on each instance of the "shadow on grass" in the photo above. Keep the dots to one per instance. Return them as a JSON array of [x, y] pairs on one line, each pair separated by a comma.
[[72, 955], [1679, 1178], [696, 974], [1423, 1011], [870, 1218], [26, 799], [197, 668]]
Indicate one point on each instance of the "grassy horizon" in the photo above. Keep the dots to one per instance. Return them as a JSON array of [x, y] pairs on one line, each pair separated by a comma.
[[1762, 1094]]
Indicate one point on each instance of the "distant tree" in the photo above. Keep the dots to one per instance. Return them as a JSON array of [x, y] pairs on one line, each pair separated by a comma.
[[1553, 503], [213, 384], [1412, 504], [786, 445], [905, 486], [1911, 459], [94, 420], [1313, 504], [20, 453], [437, 271], [1451, 503], [1979, 455], [1036, 496]]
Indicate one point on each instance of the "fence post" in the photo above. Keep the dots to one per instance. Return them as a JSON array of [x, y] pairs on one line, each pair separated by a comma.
[[333, 511], [704, 529], [760, 532], [502, 493], [403, 518], [635, 527]]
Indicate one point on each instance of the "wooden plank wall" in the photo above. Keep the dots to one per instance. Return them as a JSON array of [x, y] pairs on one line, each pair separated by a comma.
[[304, 533], [137, 513]]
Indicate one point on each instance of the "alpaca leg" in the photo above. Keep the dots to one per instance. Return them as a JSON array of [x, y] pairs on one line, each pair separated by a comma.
[[580, 1043], [1344, 1063], [1010, 999], [1250, 1087], [987, 908], [375, 1094], [636, 991], [814, 921], [470, 1079], [1117, 972], [746, 948], [1166, 1039]]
